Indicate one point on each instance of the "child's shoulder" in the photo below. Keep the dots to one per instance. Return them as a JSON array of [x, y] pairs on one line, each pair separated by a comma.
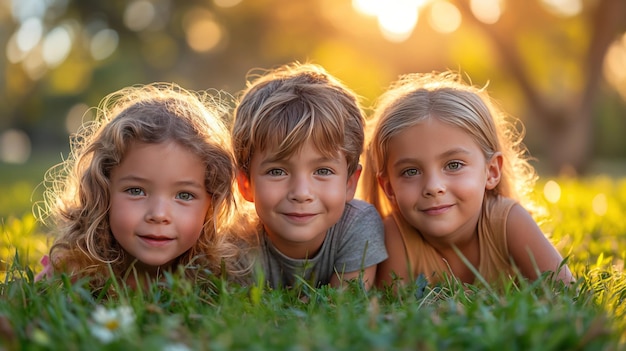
[[359, 205], [361, 213]]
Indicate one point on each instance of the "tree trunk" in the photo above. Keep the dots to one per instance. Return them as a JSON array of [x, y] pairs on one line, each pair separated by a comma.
[[569, 144]]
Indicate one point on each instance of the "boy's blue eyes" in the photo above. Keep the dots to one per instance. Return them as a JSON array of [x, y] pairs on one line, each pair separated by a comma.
[[324, 171], [280, 172]]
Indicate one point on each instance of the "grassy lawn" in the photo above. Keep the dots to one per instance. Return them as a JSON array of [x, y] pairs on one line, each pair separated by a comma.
[[585, 221]]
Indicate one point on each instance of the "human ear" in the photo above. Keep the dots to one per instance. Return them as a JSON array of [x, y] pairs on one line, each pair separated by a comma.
[[494, 171], [353, 181], [245, 188], [385, 184]]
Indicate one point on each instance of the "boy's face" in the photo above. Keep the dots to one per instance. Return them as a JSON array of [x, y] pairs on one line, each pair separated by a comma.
[[298, 199]]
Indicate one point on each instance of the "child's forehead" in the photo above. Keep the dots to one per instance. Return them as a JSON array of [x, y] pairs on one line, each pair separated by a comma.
[[278, 152]]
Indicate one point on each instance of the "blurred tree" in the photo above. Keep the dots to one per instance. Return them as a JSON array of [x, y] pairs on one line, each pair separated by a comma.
[[564, 56], [64, 55]]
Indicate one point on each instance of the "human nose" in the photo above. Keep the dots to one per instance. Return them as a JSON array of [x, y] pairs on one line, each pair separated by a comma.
[[158, 211], [300, 189], [434, 185]]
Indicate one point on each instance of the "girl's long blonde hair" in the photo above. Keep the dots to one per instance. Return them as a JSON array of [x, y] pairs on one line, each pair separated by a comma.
[[77, 195]]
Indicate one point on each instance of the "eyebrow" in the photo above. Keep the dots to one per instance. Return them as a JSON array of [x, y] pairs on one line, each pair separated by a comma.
[[133, 178], [446, 154], [321, 159]]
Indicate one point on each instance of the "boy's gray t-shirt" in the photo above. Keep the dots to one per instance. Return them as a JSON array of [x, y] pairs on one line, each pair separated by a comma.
[[355, 242]]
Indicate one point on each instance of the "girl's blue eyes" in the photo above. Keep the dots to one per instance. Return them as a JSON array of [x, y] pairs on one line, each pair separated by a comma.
[[276, 172], [186, 196], [450, 166], [454, 165], [410, 172], [135, 191]]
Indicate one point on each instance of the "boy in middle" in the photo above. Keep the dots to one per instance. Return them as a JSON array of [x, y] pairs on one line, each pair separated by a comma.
[[298, 134]]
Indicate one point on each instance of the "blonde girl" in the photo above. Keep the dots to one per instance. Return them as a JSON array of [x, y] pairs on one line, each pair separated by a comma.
[[146, 188], [447, 172]]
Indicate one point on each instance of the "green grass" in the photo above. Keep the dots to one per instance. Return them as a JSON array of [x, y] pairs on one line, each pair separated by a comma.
[[586, 223]]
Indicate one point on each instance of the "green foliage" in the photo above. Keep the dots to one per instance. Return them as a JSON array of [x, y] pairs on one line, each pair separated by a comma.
[[211, 314], [22, 242]]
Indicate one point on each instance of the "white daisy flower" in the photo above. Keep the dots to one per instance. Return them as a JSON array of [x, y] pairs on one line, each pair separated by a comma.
[[109, 324]]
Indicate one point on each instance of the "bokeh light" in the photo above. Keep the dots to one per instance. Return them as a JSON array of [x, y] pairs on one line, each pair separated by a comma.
[[24, 9], [57, 45], [445, 17], [103, 44], [615, 65], [565, 8], [34, 64], [29, 34], [368, 7], [76, 116], [396, 18], [139, 15], [15, 146], [552, 191], [226, 3], [202, 32], [600, 204], [486, 11]]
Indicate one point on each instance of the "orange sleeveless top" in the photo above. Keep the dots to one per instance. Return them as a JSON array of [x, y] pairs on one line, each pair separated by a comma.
[[495, 261]]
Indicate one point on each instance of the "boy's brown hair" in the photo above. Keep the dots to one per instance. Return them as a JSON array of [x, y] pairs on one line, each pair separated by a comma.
[[292, 104]]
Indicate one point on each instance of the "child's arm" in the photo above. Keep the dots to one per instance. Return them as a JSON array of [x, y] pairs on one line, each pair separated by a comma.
[[369, 274], [360, 244], [530, 249], [397, 262]]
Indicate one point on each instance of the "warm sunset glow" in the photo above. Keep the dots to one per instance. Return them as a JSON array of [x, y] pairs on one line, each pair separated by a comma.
[[227, 3], [565, 8], [615, 65], [396, 18], [368, 7]]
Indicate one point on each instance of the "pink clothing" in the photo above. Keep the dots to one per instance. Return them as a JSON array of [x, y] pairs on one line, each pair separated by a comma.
[[47, 269]]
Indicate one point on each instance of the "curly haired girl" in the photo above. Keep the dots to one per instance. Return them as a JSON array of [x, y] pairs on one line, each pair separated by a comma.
[[146, 188]]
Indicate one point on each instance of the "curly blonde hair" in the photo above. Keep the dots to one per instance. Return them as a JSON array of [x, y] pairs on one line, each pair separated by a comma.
[[77, 195], [445, 96]]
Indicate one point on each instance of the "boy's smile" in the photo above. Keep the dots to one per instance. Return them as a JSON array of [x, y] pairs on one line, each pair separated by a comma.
[[299, 198]]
